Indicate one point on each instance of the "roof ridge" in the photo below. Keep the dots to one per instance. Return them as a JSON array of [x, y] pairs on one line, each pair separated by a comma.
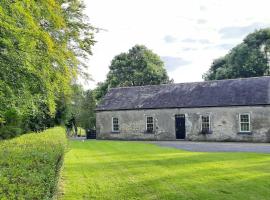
[[194, 82]]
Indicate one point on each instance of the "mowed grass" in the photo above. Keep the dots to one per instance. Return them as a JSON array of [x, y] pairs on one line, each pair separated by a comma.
[[136, 170]]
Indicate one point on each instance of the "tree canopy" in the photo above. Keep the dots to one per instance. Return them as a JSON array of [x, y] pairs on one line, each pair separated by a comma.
[[248, 59], [43, 46], [139, 66], [83, 107]]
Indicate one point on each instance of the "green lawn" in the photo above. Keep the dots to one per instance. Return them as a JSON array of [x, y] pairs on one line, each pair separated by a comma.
[[133, 170]]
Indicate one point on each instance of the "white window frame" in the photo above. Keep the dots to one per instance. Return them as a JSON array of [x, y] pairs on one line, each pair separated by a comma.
[[115, 131], [206, 115], [249, 125], [147, 124]]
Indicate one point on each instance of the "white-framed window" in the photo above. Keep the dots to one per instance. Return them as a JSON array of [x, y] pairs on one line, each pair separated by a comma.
[[115, 124], [244, 122], [205, 123], [149, 124]]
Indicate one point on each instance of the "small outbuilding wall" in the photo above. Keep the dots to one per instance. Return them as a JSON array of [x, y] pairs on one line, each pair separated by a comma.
[[224, 124]]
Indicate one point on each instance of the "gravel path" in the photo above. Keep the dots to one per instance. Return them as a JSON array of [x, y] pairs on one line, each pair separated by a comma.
[[216, 146]]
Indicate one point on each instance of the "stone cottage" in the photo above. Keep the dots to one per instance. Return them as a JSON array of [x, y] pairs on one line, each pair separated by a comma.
[[223, 110]]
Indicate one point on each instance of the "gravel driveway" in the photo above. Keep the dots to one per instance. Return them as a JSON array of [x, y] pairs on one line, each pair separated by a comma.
[[216, 146]]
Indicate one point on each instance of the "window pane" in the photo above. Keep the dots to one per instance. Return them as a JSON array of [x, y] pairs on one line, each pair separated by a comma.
[[115, 124], [244, 118], [149, 124], [115, 120], [115, 127], [244, 126], [244, 122], [205, 118], [205, 123], [149, 119]]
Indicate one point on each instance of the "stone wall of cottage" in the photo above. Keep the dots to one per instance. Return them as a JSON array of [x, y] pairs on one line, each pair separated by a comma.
[[224, 124]]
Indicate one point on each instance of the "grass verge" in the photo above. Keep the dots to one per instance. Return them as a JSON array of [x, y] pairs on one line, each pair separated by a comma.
[[29, 165]]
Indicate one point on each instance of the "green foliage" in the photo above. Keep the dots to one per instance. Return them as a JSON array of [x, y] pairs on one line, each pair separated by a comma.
[[83, 107], [12, 116], [113, 170], [140, 66], [248, 59], [29, 165], [7, 132], [43, 47], [80, 111], [101, 90], [87, 118]]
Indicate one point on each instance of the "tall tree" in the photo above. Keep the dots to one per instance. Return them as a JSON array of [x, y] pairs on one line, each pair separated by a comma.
[[248, 59], [81, 109], [140, 66], [87, 118], [43, 45]]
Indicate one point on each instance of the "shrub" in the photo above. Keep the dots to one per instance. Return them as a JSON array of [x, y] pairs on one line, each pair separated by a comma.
[[10, 124], [12, 117], [29, 164], [7, 132]]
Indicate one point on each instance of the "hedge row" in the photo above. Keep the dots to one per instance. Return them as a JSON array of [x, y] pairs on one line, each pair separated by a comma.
[[29, 165]]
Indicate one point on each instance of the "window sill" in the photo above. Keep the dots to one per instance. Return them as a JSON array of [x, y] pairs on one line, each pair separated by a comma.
[[147, 132], [115, 132], [206, 132], [245, 133]]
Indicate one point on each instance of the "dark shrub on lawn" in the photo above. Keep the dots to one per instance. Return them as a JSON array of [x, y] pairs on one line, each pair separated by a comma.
[[8, 132], [29, 164]]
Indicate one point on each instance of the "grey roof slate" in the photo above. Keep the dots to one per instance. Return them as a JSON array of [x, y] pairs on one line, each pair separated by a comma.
[[231, 92]]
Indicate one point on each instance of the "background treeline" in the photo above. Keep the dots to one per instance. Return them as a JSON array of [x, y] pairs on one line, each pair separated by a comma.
[[251, 58], [43, 48], [137, 67]]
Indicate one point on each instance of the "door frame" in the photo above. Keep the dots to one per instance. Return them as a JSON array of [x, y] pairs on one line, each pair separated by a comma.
[[184, 134]]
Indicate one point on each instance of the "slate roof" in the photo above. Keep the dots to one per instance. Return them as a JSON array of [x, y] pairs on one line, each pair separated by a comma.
[[232, 92]]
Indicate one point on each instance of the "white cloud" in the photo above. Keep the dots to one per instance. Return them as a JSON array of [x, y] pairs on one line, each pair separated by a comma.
[[152, 22], [172, 63]]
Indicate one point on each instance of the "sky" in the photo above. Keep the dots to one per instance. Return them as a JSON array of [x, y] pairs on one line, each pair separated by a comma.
[[187, 34]]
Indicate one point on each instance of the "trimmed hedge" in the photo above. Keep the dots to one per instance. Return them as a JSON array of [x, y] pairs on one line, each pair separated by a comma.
[[29, 165]]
